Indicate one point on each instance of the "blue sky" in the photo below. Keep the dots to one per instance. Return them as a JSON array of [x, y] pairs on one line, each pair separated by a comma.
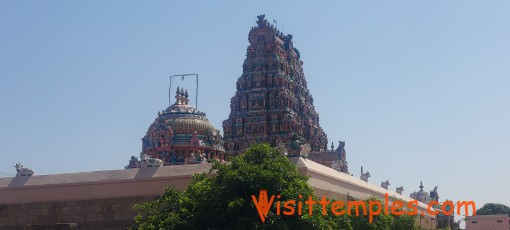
[[419, 90]]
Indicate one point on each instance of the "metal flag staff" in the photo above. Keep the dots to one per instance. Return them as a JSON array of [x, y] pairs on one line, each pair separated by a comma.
[[182, 78]]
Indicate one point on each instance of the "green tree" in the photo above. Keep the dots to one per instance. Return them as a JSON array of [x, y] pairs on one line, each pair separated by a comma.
[[403, 222], [381, 221], [222, 198], [493, 209]]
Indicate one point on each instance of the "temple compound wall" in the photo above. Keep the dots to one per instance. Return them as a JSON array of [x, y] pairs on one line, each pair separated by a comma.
[[104, 199], [88, 200], [329, 182]]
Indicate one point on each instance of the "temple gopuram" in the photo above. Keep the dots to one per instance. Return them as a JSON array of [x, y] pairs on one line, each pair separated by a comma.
[[272, 103], [181, 134]]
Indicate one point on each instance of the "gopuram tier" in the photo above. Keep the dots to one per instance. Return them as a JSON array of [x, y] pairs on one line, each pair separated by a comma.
[[272, 103]]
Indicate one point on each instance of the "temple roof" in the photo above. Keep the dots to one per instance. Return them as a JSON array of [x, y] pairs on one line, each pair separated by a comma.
[[182, 125]]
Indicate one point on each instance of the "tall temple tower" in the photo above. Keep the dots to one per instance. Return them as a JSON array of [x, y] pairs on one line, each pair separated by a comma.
[[272, 103]]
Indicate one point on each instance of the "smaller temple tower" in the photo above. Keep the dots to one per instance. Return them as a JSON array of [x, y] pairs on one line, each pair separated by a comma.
[[181, 134], [334, 158]]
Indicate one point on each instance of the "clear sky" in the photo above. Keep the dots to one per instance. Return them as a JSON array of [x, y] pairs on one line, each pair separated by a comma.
[[419, 90]]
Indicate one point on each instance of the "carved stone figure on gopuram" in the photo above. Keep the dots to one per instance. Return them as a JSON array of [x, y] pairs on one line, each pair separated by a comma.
[[272, 103]]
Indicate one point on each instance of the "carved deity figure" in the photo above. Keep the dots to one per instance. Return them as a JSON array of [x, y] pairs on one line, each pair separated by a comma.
[[148, 162], [340, 166], [22, 171], [385, 184], [203, 158], [400, 190], [191, 158], [282, 149], [364, 176], [133, 163], [341, 149], [161, 141], [305, 149], [194, 139], [434, 195]]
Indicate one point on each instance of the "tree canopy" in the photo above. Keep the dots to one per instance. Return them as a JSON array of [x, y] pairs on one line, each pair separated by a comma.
[[223, 199], [493, 209]]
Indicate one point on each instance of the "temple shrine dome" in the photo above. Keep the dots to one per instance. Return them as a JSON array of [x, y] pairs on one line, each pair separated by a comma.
[[185, 119], [181, 134]]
